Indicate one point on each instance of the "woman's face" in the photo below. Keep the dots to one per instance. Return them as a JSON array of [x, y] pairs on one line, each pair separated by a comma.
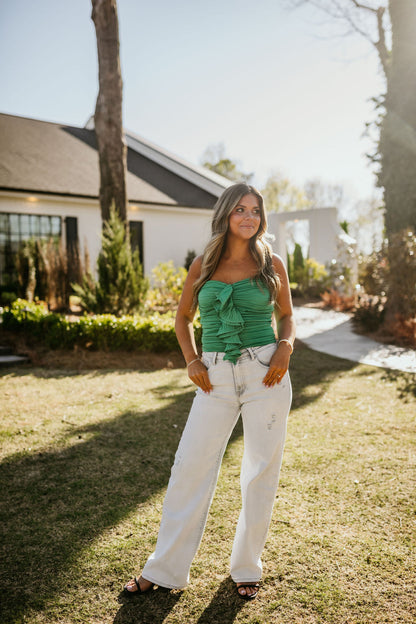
[[244, 221]]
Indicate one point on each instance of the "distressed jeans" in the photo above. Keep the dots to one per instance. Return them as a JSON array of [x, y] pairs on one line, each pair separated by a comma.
[[237, 388]]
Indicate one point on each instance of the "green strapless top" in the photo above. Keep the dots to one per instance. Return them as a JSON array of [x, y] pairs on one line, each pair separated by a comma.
[[235, 316]]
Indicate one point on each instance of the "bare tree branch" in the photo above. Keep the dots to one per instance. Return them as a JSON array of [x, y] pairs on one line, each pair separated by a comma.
[[359, 5], [381, 46], [349, 11]]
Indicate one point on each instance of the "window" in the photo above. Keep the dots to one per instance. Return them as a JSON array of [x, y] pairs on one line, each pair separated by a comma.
[[136, 238], [16, 228]]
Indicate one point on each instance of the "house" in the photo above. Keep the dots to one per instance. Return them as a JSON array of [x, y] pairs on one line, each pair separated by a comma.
[[49, 183]]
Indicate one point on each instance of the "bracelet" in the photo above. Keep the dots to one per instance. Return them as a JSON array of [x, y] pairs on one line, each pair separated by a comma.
[[192, 361], [288, 342]]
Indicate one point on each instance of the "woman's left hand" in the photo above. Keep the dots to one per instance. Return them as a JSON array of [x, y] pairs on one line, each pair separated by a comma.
[[278, 367]]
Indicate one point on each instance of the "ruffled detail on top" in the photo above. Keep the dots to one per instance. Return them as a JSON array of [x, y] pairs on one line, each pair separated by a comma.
[[235, 316], [231, 323]]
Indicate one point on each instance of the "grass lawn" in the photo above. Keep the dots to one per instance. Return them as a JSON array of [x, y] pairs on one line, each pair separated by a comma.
[[86, 457]]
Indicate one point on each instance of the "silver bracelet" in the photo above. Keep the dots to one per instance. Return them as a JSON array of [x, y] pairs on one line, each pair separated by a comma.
[[288, 342], [195, 360]]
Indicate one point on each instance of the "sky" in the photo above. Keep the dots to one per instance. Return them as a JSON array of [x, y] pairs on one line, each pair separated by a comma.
[[280, 88]]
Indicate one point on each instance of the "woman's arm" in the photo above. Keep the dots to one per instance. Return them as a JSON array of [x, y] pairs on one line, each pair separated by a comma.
[[284, 309], [185, 330], [286, 327]]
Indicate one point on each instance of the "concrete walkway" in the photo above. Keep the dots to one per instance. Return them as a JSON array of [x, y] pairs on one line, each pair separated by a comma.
[[332, 332], [7, 358]]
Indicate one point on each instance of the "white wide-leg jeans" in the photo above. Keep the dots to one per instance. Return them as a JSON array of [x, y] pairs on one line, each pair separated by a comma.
[[237, 388]]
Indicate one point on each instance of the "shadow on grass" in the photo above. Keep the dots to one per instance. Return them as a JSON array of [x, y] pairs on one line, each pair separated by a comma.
[[153, 607], [55, 503], [311, 368], [405, 382], [224, 606], [149, 608]]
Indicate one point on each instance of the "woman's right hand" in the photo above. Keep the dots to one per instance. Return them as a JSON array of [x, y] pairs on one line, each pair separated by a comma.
[[198, 374]]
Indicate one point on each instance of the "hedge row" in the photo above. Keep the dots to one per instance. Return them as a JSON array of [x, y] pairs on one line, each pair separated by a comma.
[[154, 333]]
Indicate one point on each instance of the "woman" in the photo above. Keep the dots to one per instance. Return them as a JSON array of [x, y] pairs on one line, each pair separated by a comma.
[[238, 284]]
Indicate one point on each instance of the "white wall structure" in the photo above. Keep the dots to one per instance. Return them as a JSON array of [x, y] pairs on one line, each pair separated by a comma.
[[324, 232]]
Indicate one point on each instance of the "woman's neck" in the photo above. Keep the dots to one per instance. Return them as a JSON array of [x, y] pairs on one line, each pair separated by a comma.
[[236, 251], [236, 263]]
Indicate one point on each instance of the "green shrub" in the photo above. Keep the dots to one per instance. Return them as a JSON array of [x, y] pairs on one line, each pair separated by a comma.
[[312, 278], [298, 264], [154, 333], [121, 287], [167, 285], [315, 279], [22, 310]]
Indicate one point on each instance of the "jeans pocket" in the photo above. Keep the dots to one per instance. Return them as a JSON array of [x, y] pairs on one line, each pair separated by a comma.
[[263, 355], [207, 359]]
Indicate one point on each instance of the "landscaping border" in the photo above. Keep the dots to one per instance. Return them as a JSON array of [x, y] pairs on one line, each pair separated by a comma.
[[155, 333]]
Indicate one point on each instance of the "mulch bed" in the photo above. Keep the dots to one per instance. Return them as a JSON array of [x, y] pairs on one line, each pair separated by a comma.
[[85, 359]]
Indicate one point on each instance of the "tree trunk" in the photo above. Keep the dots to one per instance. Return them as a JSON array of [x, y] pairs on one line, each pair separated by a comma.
[[108, 111], [398, 132]]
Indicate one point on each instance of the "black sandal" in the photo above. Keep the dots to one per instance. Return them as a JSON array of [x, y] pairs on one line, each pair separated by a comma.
[[248, 596], [136, 592]]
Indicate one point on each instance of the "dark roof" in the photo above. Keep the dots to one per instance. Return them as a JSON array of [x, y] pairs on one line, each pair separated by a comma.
[[44, 157]]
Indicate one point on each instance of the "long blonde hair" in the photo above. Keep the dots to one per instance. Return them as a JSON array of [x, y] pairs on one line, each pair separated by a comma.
[[258, 245]]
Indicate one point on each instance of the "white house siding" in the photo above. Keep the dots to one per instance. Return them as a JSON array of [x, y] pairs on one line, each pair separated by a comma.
[[168, 233]]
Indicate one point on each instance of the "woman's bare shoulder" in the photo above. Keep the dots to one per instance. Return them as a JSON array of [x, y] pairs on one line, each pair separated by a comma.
[[195, 268], [278, 264]]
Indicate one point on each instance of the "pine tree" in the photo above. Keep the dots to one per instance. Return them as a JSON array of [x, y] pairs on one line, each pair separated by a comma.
[[121, 286], [298, 265]]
